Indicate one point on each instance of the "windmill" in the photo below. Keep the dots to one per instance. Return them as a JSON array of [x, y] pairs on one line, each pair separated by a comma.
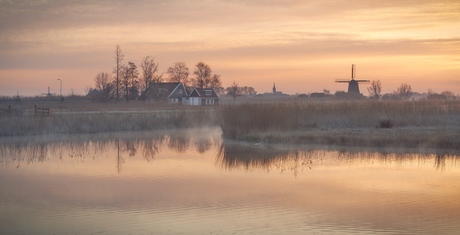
[[353, 85]]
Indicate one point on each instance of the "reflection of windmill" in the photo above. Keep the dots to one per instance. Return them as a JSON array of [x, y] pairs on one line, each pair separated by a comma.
[[353, 85], [49, 94]]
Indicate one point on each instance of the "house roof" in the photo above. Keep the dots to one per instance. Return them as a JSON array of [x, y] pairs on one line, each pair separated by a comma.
[[93, 93], [161, 90], [203, 92]]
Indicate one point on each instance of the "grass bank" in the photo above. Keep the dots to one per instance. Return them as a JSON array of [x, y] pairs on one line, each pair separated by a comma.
[[354, 123]]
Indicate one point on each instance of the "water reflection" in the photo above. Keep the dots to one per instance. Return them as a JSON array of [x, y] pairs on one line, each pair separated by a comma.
[[119, 147], [294, 159], [441, 160], [249, 157], [193, 182], [230, 155]]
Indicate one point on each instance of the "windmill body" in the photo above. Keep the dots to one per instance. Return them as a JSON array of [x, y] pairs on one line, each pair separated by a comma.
[[353, 85]]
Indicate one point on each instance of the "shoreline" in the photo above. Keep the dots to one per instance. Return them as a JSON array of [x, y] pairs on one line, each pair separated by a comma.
[[405, 137], [414, 124]]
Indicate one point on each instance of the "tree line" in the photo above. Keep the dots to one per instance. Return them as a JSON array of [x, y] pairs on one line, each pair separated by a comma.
[[128, 82]]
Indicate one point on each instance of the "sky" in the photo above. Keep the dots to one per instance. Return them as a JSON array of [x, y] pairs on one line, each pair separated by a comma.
[[301, 45]]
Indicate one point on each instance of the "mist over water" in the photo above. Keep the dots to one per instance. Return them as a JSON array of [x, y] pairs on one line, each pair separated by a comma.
[[194, 182]]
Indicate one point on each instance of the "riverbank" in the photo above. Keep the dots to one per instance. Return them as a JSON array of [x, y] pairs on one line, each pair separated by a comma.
[[359, 123], [104, 121], [406, 137], [424, 124]]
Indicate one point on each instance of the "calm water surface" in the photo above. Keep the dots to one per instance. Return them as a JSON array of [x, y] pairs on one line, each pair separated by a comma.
[[192, 182]]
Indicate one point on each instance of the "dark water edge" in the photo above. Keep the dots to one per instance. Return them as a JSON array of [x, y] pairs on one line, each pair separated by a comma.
[[178, 139]]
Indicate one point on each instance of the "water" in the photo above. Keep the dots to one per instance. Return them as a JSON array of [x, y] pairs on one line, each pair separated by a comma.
[[192, 182]]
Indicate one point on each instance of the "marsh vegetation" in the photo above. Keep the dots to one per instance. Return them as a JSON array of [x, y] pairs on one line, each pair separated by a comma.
[[432, 124], [355, 123], [87, 117]]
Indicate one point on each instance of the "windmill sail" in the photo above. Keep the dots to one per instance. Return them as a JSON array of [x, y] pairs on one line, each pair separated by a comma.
[[353, 85], [352, 72]]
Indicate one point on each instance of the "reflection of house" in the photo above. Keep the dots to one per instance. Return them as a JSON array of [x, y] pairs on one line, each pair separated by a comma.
[[170, 92], [176, 93], [201, 96]]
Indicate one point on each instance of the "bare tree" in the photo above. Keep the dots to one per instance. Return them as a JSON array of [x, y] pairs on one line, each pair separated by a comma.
[[149, 70], [449, 95], [404, 91], [234, 91], [119, 56], [375, 89], [179, 73], [202, 75], [88, 89], [134, 75], [216, 84], [247, 90], [445, 95], [104, 86], [130, 83], [124, 81]]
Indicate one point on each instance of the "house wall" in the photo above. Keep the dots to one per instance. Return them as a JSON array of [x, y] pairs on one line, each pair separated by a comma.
[[174, 101], [195, 101], [209, 101]]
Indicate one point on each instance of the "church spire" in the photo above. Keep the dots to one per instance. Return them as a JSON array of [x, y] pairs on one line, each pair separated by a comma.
[[274, 88]]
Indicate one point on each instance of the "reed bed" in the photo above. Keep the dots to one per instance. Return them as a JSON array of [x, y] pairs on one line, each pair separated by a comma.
[[97, 122], [414, 123]]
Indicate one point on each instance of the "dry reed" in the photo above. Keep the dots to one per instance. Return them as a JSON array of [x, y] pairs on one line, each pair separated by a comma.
[[413, 123], [96, 122]]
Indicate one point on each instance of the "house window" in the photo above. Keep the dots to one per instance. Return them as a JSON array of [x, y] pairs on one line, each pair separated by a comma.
[[179, 92], [208, 92], [209, 101]]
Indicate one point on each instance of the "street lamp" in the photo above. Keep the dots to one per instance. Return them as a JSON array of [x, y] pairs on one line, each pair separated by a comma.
[[60, 89]]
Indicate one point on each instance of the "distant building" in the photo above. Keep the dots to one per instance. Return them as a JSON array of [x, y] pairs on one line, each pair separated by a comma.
[[177, 93], [93, 94], [201, 96], [318, 95], [169, 92], [274, 93]]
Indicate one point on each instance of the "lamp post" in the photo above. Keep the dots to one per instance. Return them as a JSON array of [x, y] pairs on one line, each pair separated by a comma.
[[60, 88]]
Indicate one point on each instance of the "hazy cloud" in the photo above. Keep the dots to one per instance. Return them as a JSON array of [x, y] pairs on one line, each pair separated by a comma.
[[56, 34]]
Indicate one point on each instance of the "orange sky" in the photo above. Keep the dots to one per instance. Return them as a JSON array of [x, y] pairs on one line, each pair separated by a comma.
[[303, 46]]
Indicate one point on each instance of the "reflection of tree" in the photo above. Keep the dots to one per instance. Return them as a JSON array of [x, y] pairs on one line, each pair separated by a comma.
[[179, 143], [28, 152], [150, 148], [145, 145], [399, 158], [120, 159], [232, 155], [202, 145], [39, 152], [249, 157], [440, 161], [131, 148]]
